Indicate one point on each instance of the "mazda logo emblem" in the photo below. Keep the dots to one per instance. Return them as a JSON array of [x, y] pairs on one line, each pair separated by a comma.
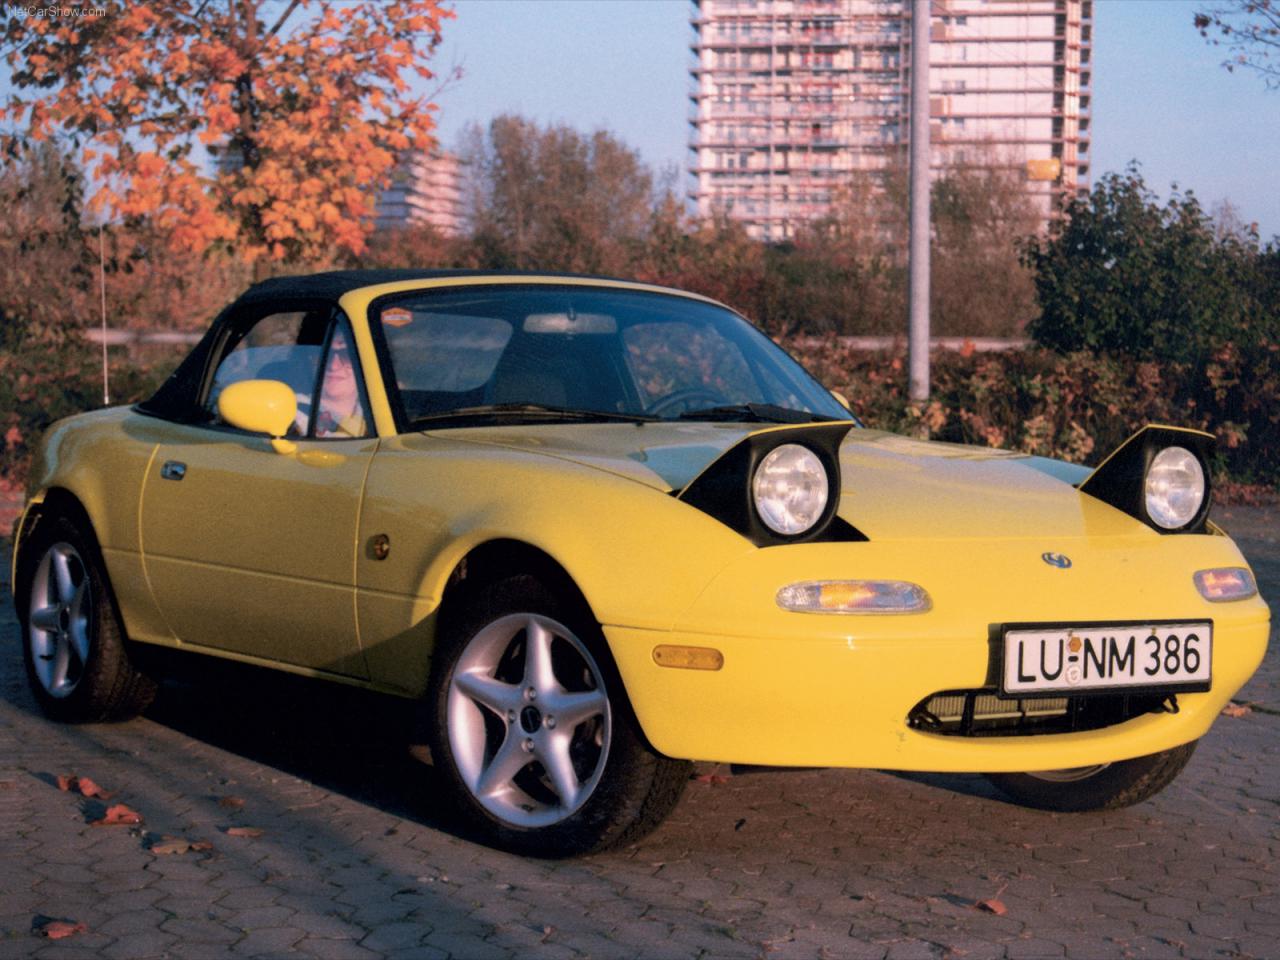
[[1059, 560]]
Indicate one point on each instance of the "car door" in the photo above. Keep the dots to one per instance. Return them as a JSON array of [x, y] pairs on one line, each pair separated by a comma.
[[250, 551]]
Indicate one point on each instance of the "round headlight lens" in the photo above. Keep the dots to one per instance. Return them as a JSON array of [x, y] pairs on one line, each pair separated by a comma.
[[1175, 487], [790, 489]]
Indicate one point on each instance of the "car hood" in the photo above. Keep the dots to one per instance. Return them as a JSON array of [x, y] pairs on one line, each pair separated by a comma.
[[893, 487]]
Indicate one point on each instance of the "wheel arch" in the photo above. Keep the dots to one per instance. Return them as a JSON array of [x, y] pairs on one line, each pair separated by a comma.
[[502, 557], [626, 800]]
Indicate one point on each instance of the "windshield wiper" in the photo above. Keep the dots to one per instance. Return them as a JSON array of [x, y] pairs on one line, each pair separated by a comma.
[[526, 411], [756, 412]]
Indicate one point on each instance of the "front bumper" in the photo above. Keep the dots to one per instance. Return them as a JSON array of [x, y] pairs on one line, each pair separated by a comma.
[[827, 690], [845, 704]]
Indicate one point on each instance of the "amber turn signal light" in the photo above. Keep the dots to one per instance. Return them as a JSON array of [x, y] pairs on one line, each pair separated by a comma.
[[687, 658]]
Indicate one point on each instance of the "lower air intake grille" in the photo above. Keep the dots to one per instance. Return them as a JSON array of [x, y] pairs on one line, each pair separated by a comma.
[[983, 713]]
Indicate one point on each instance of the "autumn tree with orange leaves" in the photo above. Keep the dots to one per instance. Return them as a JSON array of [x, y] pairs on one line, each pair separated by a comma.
[[311, 100]]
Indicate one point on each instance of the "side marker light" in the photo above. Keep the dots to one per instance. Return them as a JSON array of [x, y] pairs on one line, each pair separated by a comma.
[[687, 658]]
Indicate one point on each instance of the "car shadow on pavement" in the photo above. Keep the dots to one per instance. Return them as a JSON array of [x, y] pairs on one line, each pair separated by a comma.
[[968, 784], [342, 739], [336, 854]]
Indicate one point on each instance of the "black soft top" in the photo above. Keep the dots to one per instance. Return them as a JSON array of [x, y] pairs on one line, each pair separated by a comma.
[[176, 398], [333, 284]]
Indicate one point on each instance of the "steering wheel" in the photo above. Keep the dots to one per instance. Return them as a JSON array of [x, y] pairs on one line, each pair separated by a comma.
[[691, 398]]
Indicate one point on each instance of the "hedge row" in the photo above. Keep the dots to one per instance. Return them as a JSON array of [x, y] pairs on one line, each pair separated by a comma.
[[1073, 406]]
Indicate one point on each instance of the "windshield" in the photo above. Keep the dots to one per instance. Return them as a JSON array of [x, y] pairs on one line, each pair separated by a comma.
[[552, 352]]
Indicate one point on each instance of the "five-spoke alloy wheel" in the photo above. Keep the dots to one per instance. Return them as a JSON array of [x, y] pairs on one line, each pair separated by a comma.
[[73, 643], [533, 732], [58, 623], [529, 720]]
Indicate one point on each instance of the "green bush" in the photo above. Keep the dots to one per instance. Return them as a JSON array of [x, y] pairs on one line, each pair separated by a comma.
[[1120, 274], [1073, 406]]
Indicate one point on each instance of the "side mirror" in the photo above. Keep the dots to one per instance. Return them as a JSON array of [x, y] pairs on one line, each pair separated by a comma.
[[261, 406], [844, 401]]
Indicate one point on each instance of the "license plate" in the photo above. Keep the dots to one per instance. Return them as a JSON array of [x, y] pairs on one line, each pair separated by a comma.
[[1097, 657]]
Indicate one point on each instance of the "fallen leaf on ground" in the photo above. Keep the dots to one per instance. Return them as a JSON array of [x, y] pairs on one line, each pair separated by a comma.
[[231, 803], [61, 929], [1236, 710], [90, 789], [118, 815], [172, 845], [712, 778], [244, 832], [991, 906], [83, 786]]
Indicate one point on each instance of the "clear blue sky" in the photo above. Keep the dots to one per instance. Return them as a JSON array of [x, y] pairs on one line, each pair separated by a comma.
[[1160, 95]]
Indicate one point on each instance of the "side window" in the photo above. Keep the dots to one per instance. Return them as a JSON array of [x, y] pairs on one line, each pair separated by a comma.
[[280, 346], [343, 410]]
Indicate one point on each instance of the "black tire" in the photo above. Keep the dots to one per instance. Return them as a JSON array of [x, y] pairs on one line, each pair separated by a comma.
[[77, 662], [620, 788], [1108, 787]]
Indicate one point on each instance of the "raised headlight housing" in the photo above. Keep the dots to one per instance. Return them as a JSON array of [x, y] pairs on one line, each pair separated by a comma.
[[778, 485], [790, 489], [1175, 488], [1160, 476]]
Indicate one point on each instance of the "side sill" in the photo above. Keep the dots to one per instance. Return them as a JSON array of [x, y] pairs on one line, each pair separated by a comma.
[[178, 647]]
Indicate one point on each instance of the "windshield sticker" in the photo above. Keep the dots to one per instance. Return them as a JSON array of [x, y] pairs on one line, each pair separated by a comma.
[[397, 317]]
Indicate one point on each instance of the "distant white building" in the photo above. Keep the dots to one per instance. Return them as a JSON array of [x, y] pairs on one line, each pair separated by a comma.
[[793, 96], [424, 189]]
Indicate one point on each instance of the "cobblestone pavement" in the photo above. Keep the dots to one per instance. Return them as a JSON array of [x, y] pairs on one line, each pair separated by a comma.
[[352, 861]]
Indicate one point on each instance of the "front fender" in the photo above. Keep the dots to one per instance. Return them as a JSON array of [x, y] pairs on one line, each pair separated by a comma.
[[640, 557]]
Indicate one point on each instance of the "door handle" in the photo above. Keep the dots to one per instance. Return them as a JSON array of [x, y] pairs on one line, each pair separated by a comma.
[[173, 470]]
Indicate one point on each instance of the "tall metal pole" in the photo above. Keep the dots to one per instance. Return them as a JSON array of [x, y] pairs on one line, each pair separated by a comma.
[[918, 279], [102, 289]]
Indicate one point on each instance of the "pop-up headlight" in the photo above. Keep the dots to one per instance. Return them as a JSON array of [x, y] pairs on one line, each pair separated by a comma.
[[790, 489]]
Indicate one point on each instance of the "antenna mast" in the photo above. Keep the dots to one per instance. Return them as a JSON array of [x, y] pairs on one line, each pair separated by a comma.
[[102, 289]]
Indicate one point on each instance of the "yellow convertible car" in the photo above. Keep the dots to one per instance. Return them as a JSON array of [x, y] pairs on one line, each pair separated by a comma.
[[598, 529]]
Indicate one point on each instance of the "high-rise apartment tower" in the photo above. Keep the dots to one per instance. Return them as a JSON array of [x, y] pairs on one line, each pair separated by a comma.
[[793, 96], [424, 189]]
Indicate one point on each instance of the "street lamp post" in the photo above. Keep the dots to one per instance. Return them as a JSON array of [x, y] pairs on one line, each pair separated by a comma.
[[918, 277]]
